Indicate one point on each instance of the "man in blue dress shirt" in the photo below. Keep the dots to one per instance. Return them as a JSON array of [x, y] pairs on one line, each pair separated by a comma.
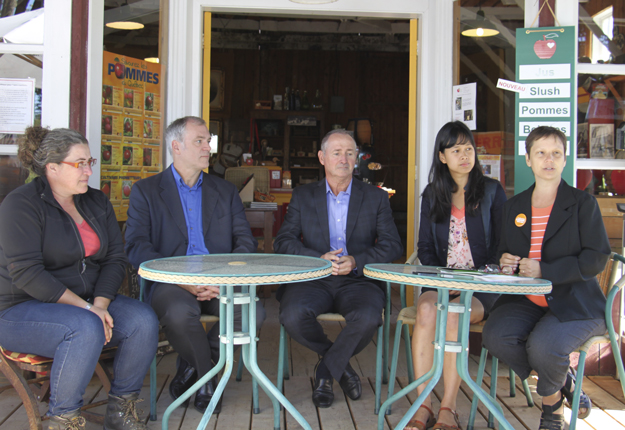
[[349, 223], [184, 211]]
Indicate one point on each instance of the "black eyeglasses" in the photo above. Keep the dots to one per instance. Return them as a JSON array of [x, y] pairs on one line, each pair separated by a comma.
[[82, 164]]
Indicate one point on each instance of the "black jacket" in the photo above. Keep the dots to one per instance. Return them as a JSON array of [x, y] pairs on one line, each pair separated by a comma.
[[575, 249], [42, 253]]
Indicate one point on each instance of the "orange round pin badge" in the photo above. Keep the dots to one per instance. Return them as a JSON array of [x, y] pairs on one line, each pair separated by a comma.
[[520, 220]]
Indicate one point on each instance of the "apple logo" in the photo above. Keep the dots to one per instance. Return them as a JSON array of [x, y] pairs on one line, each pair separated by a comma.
[[545, 48], [119, 70]]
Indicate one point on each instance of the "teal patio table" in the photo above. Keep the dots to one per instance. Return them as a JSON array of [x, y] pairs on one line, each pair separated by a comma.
[[466, 285], [228, 271]]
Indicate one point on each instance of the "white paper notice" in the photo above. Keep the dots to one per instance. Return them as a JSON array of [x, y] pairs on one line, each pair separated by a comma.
[[464, 104], [17, 105]]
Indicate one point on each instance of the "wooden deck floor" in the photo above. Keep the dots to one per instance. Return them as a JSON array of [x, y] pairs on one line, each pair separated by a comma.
[[608, 402]]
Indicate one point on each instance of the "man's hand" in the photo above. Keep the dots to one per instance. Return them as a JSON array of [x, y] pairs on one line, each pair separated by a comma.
[[201, 292], [340, 265]]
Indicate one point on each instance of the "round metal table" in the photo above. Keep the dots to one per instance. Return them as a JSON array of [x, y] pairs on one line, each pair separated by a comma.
[[227, 271], [406, 274]]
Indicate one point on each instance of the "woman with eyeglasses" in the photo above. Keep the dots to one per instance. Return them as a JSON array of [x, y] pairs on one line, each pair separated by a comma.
[[61, 263]]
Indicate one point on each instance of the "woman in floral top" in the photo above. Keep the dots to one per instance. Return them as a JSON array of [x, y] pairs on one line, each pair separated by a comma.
[[461, 213]]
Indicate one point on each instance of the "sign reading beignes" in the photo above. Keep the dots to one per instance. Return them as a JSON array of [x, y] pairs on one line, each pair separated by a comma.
[[545, 75]]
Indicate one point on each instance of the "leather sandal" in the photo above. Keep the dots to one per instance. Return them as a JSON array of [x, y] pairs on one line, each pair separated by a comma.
[[549, 420], [443, 426], [585, 404], [414, 423]]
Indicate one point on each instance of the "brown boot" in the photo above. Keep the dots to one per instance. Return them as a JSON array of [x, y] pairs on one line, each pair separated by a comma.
[[121, 413], [69, 421]]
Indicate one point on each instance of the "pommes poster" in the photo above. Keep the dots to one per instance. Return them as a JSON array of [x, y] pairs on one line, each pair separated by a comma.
[[131, 126]]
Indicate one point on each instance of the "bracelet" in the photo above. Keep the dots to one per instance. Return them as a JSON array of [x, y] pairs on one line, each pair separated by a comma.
[[89, 306]]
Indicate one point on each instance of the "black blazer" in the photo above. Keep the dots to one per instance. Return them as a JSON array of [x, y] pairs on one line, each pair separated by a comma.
[[575, 249], [432, 251], [371, 233], [156, 226]]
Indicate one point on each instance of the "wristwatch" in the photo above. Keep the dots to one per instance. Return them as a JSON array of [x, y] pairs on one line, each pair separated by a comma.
[[88, 306]]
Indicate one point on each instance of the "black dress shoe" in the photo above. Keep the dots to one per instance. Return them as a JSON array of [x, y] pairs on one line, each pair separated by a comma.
[[323, 396], [204, 395], [184, 379], [350, 383]]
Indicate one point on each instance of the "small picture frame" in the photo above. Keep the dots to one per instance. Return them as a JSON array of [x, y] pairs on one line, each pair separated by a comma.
[[217, 89], [601, 140]]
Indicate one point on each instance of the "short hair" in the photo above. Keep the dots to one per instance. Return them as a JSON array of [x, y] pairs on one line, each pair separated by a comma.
[[542, 132], [177, 129], [343, 132], [40, 146]]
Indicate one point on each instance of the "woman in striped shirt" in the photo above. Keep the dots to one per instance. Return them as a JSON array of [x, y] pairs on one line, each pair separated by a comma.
[[551, 231]]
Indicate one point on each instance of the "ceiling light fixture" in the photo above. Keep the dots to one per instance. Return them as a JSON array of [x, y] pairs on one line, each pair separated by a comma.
[[152, 60], [313, 1], [125, 25], [479, 27]]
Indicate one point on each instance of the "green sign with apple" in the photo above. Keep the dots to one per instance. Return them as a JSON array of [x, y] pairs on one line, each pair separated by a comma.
[[545, 71]]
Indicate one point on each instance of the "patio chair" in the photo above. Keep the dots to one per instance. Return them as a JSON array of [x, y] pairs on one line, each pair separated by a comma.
[[407, 316], [37, 388], [610, 286]]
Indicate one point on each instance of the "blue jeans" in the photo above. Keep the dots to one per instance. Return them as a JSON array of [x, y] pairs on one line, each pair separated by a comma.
[[74, 337]]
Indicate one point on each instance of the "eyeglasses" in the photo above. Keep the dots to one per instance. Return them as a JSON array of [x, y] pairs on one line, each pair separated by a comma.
[[82, 164]]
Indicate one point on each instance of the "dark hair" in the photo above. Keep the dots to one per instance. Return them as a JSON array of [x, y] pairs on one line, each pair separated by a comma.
[[442, 185], [542, 132], [40, 146], [177, 129]]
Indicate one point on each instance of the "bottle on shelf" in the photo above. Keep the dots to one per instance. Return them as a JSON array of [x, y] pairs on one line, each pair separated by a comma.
[[305, 102], [292, 100], [298, 101], [286, 103], [316, 104]]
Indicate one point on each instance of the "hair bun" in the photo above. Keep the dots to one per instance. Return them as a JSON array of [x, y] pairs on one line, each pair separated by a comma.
[[29, 143]]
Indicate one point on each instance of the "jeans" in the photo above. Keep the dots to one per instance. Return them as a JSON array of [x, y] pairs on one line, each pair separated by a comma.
[[74, 337], [526, 336]]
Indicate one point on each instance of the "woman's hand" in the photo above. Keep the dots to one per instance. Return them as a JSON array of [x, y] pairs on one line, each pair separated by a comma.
[[509, 263], [107, 321], [530, 268]]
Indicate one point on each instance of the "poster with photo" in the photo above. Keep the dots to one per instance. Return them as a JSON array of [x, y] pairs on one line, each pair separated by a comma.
[[601, 140], [463, 102], [131, 126]]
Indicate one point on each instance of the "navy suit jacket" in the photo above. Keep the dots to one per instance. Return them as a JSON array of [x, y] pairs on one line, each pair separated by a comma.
[[371, 234], [156, 226], [575, 249]]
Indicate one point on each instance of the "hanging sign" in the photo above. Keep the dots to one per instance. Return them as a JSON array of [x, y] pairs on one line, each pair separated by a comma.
[[545, 79]]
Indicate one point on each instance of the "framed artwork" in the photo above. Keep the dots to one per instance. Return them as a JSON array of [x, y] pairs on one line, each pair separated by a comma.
[[217, 89], [214, 126]]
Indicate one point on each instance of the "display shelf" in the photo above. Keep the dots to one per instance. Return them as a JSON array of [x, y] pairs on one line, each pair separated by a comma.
[[599, 164], [601, 69], [8, 149]]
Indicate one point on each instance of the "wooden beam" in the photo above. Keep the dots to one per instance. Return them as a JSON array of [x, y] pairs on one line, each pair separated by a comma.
[[78, 68]]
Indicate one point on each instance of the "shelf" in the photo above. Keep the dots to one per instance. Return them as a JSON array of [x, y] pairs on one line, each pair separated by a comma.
[[304, 167], [304, 156], [8, 149], [599, 164], [601, 69]]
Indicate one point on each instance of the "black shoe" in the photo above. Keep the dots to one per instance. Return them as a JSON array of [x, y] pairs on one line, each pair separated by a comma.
[[204, 395], [350, 383], [585, 404], [184, 379], [323, 396], [549, 420]]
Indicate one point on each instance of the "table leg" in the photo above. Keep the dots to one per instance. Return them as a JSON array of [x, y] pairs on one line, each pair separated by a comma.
[[462, 363], [434, 373], [250, 361], [225, 361]]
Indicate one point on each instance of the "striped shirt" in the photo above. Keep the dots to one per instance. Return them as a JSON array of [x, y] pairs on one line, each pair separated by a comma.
[[540, 218]]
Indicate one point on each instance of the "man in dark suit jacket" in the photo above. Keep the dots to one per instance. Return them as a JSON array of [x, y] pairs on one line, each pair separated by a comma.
[[184, 211], [349, 223]]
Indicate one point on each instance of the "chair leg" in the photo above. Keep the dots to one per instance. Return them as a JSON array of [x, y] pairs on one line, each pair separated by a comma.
[[240, 368], [480, 377], [379, 363], [528, 393], [578, 388], [281, 361], [493, 388], [408, 345], [153, 390], [394, 358], [14, 375], [512, 383]]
